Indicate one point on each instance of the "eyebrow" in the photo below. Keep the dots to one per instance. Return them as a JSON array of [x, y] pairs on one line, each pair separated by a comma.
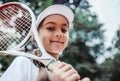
[[50, 23], [55, 23]]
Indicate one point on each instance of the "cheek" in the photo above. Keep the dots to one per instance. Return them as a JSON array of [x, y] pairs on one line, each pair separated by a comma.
[[42, 36], [66, 39], [45, 37]]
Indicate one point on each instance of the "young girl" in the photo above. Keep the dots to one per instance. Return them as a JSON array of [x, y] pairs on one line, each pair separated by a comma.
[[53, 29]]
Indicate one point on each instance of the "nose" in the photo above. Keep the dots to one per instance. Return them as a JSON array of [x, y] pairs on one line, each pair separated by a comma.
[[58, 33]]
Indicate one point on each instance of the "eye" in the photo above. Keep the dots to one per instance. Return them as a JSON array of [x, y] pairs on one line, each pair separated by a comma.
[[64, 30], [51, 28]]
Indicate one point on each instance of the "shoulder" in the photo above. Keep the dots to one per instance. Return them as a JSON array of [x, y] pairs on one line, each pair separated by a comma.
[[22, 69], [22, 61], [26, 65]]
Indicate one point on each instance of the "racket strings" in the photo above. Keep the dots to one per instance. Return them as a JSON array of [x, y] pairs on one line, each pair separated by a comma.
[[15, 23]]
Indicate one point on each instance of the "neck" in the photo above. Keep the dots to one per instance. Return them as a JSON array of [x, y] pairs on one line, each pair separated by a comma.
[[56, 56]]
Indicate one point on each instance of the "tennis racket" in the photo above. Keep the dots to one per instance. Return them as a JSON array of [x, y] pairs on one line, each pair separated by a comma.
[[17, 27]]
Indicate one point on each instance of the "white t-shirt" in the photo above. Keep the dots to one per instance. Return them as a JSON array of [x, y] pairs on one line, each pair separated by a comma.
[[21, 69]]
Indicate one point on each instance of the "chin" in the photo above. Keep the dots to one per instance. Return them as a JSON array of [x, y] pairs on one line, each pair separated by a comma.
[[57, 52]]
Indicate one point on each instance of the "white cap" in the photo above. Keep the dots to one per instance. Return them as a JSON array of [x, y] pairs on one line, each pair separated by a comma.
[[56, 9]]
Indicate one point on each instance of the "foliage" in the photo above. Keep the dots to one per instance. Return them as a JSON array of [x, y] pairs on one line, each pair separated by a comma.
[[111, 69], [117, 44], [5, 61], [116, 68]]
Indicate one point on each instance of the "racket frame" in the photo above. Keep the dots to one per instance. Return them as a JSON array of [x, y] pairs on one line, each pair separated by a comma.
[[33, 32], [25, 40]]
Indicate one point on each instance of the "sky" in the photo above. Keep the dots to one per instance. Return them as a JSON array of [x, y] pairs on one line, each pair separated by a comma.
[[108, 12]]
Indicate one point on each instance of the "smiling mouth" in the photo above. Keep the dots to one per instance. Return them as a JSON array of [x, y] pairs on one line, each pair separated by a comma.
[[57, 42]]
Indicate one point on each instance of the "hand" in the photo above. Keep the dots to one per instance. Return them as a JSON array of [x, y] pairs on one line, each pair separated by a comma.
[[64, 72], [85, 79]]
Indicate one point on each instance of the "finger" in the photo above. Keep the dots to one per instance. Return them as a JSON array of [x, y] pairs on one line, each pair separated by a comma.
[[61, 65], [52, 66], [70, 72], [85, 79], [74, 77], [66, 68], [56, 65]]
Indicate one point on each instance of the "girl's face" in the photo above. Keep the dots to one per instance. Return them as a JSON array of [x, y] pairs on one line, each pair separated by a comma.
[[54, 33]]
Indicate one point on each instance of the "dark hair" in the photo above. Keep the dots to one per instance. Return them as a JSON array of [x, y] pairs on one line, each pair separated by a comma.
[[40, 24], [43, 73]]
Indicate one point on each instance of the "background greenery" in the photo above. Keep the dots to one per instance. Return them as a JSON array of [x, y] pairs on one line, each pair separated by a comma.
[[82, 51]]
